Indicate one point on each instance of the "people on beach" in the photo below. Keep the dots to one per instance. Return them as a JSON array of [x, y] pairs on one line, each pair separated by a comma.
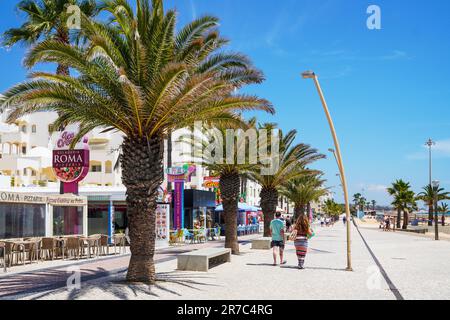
[[277, 233], [302, 231]]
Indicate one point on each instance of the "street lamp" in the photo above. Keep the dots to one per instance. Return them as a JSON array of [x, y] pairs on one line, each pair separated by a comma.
[[430, 143], [337, 153], [435, 205]]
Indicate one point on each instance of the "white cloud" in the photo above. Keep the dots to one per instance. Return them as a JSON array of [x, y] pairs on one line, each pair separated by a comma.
[[376, 188]]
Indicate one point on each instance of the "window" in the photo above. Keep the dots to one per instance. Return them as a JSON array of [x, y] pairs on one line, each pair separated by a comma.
[[67, 220], [22, 220], [33, 128], [33, 173], [24, 150], [96, 168], [23, 129], [24, 171], [108, 167]]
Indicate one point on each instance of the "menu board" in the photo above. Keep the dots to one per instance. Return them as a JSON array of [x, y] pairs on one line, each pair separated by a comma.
[[162, 223]]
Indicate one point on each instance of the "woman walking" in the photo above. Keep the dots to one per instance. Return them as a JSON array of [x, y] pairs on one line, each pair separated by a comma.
[[302, 232]]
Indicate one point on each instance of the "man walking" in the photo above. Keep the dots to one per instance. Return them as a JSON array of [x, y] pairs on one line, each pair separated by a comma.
[[277, 232]]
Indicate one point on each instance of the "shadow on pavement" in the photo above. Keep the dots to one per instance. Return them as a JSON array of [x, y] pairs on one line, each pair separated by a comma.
[[120, 289], [261, 264]]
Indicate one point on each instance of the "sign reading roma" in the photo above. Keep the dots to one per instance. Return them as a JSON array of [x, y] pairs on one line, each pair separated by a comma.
[[70, 165]]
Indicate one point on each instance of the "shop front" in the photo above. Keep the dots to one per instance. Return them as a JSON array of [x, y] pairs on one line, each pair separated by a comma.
[[25, 215], [199, 209]]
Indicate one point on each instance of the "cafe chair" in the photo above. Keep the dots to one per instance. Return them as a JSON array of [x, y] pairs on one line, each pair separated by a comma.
[[73, 247], [48, 248], [3, 255], [119, 241]]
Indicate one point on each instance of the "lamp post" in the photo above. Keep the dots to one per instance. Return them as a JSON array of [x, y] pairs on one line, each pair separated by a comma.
[[435, 205], [312, 75], [430, 143]]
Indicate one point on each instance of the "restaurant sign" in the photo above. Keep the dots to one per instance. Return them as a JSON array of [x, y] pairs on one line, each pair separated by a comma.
[[70, 165], [58, 200]]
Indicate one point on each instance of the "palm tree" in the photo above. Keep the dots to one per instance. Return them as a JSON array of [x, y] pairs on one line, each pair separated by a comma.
[[292, 162], [356, 198], [373, 204], [444, 210], [304, 190], [139, 77], [332, 208], [45, 20], [230, 170], [433, 194], [429, 195], [362, 203], [404, 201]]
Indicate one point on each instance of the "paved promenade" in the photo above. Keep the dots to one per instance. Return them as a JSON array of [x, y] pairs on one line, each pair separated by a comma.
[[386, 266]]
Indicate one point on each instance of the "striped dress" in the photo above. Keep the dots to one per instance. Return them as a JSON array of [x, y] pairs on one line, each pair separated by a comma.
[[301, 248]]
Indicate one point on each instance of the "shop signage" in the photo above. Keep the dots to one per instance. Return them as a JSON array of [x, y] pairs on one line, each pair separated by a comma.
[[70, 165], [179, 175], [11, 197], [211, 182], [162, 217]]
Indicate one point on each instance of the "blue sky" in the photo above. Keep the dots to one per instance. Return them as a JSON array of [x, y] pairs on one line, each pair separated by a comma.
[[388, 90]]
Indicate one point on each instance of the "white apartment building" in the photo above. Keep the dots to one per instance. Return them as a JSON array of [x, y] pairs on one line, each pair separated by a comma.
[[26, 155]]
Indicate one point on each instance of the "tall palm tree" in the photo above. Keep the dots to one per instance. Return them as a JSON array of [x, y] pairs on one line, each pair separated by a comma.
[[444, 210], [356, 198], [433, 194], [45, 20], [373, 204], [362, 203], [230, 170], [404, 201], [429, 195], [293, 160], [141, 78], [332, 208], [304, 190]]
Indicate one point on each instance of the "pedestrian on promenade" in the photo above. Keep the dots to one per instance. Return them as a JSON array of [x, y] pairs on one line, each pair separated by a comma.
[[344, 220], [388, 224], [302, 231], [322, 221], [277, 233]]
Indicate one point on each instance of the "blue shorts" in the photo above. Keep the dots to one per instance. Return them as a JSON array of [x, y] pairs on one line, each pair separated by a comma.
[[276, 243]]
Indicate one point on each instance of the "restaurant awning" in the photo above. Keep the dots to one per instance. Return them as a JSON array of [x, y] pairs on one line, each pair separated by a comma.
[[242, 207]]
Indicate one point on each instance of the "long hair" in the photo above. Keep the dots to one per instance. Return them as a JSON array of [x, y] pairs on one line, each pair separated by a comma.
[[302, 224]]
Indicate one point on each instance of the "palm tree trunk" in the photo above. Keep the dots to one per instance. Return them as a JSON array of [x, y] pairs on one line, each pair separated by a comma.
[[229, 188], [62, 35], [269, 200], [142, 174], [430, 215], [298, 211], [443, 219], [405, 219], [399, 218]]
